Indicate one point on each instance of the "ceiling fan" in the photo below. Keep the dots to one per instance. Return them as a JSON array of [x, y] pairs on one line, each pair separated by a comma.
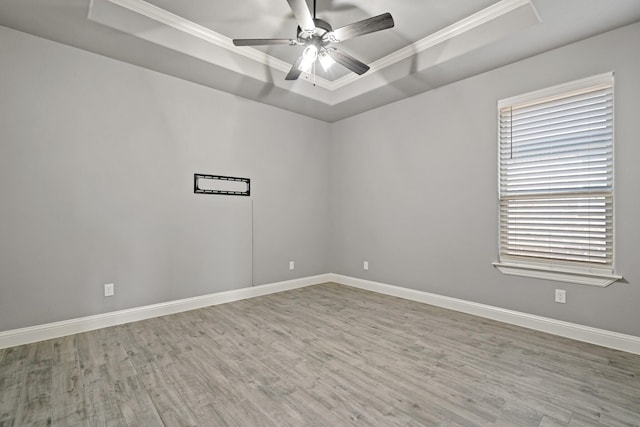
[[317, 36]]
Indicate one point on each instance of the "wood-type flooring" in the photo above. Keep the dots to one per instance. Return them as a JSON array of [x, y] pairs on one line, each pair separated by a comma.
[[324, 355]]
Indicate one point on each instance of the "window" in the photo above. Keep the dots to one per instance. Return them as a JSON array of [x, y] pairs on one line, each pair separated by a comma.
[[556, 183]]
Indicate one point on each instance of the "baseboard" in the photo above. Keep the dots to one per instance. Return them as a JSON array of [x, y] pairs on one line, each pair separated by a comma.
[[84, 324], [615, 340]]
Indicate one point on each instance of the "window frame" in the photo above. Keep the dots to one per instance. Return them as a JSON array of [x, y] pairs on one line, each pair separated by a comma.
[[554, 270]]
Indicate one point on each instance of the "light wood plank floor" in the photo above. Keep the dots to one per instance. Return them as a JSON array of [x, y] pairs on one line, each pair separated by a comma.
[[325, 355]]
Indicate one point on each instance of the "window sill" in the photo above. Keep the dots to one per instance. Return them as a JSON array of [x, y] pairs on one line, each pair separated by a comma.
[[538, 272]]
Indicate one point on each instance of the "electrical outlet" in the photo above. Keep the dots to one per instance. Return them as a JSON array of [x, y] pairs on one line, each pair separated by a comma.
[[365, 265], [108, 290], [561, 296], [292, 265]]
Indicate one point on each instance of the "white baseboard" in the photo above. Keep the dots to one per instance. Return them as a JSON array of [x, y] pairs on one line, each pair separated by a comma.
[[615, 340], [83, 324]]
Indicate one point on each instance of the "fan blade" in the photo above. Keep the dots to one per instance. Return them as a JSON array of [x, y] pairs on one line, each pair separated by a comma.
[[303, 16], [366, 26], [348, 61], [295, 71], [263, 42]]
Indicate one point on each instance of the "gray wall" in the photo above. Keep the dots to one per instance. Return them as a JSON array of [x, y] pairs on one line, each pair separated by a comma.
[[97, 160], [413, 188], [96, 186]]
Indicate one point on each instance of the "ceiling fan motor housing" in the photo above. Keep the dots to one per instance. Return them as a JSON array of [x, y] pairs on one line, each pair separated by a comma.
[[321, 29]]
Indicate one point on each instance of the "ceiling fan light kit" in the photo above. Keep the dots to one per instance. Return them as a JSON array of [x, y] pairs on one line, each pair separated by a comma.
[[316, 36], [326, 60]]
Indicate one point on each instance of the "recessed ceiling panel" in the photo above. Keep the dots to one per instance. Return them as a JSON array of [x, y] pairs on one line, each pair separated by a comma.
[[414, 20]]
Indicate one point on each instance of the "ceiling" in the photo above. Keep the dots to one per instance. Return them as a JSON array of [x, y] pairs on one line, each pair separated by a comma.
[[433, 43]]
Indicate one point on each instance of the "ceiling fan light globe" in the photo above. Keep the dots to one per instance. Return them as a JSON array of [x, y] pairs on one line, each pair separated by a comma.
[[309, 56], [326, 61], [305, 66], [310, 53]]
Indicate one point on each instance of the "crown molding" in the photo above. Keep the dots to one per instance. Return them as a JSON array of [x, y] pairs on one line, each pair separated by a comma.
[[191, 28], [469, 23], [186, 26]]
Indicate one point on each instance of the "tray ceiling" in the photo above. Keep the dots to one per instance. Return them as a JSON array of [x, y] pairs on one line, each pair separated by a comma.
[[433, 42]]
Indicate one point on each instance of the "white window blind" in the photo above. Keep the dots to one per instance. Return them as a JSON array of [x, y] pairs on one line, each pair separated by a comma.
[[556, 177]]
